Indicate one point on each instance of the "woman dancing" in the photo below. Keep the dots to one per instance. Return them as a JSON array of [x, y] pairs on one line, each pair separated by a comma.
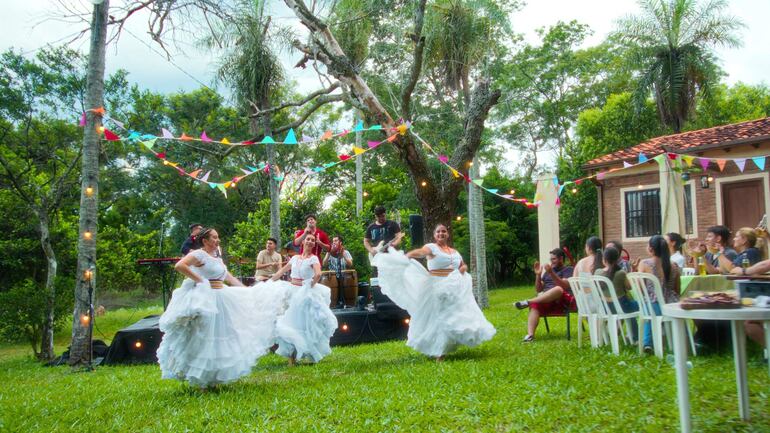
[[440, 301], [304, 329], [213, 333]]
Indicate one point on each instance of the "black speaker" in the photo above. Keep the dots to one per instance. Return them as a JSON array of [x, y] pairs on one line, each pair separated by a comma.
[[416, 230]]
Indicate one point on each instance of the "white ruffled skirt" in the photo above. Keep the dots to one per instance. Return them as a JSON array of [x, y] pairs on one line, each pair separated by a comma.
[[215, 336], [443, 311], [305, 327]]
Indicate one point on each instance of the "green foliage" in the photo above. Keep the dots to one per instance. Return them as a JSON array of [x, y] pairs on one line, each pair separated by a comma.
[[119, 248], [670, 45], [499, 386], [23, 310]]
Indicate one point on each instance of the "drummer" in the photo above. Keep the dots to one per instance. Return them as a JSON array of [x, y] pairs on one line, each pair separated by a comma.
[[338, 259]]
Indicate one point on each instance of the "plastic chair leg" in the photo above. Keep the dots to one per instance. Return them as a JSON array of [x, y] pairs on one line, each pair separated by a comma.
[[580, 331], [545, 321], [657, 336], [612, 327], [567, 317]]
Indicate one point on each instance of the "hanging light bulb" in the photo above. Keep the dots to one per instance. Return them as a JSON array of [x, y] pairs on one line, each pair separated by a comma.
[[459, 218], [513, 191], [640, 186], [84, 319], [366, 194], [87, 235], [89, 191], [87, 275], [574, 190], [711, 178], [423, 183], [138, 344]]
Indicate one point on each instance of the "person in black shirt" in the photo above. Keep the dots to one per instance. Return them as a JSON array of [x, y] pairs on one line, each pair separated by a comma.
[[188, 243], [381, 230]]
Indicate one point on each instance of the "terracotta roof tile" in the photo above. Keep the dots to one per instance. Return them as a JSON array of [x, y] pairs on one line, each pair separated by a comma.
[[710, 137]]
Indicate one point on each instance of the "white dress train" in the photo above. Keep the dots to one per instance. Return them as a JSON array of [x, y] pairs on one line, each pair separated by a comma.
[[305, 327], [443, 311], [214, 336]]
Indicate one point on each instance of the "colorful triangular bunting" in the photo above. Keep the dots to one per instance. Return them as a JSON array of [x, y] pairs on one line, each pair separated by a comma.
[[291, 138], [759, 161], [741, 163]]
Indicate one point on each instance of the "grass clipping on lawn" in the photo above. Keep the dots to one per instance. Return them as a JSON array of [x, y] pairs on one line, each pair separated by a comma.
[[503, 385]]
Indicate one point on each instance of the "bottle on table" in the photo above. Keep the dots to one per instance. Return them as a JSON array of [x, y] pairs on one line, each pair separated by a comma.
[[745, 263], [701, 266]]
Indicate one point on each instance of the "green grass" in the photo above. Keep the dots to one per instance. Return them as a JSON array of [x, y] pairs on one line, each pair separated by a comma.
[[503, 385]]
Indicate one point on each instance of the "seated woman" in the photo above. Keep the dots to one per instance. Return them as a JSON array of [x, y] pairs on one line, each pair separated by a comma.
[[675, 242], [444, 313], [593, 259], [613, 271], [212, 333], [745, 243], [553, 292], [659, 264]]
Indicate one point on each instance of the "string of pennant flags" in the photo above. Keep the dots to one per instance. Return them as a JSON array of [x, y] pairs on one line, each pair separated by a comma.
[[684, 161], [149, 140]]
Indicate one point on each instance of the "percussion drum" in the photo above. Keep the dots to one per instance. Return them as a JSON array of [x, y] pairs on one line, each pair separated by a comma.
[[348, 284], [329, 279]]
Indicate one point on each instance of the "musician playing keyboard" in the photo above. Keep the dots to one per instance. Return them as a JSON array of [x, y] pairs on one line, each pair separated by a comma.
[[381, 230]]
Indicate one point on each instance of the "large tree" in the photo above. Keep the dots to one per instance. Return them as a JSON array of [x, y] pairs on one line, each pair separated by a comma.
[[671, 44], [436, 190], [39, 154]]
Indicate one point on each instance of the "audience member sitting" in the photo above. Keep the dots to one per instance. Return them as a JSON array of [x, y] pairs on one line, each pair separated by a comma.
[[593, 259], [675, 242], [613, 271], [760, 267], [659, 264], [717, 238], [554, 294], [623, 263], [745, 243]]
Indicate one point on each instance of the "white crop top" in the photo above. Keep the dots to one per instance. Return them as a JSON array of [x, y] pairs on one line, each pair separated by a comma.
[[303, 268], [442, 260]]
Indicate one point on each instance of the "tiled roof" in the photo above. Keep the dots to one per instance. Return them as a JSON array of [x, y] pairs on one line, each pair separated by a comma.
[[719, 136]]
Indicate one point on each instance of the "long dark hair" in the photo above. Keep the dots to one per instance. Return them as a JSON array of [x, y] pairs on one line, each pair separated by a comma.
[[660, 249], [677, 239], [205, 233], [594, 244], [612, 256]]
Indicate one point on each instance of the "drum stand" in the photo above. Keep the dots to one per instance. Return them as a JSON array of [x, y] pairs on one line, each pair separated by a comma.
[[340, 291]]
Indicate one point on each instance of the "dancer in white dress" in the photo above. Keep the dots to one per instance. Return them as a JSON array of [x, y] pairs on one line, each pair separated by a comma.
[[304, 329], [440, 301], [213, 333]]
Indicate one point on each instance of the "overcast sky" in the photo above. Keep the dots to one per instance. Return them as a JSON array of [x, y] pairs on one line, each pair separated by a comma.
[[24, 27]]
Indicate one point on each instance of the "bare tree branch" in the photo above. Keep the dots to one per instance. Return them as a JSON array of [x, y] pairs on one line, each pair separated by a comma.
[[308, 98], [414, 75]]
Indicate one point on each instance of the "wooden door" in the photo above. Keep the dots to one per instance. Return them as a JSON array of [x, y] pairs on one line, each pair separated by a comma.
[[743, 203]]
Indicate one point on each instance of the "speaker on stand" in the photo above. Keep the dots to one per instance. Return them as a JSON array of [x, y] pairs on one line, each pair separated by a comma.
[[416, 230]]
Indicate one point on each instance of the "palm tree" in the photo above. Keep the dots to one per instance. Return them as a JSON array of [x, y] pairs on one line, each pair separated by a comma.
[[253, 71], [671, 42]]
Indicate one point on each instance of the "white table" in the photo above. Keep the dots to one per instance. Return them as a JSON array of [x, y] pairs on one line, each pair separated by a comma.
[[736, 317]]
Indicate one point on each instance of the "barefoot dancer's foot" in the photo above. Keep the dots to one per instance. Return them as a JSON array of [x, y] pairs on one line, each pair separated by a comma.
[[293, 359]]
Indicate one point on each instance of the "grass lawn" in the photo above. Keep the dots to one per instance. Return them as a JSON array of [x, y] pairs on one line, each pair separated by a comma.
[[503, 385]]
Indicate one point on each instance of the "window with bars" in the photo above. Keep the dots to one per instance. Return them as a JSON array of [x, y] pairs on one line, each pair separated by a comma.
[[643, 213]]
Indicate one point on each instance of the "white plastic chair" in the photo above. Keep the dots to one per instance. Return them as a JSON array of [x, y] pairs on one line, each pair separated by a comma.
[[614, 320], [687, 272], [587, 309], [647, 313]]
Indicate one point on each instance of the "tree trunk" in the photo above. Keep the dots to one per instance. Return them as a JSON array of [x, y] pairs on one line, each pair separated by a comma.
[[46, 341], [85, 280], [477, 239], [275, 192], [359, 174]]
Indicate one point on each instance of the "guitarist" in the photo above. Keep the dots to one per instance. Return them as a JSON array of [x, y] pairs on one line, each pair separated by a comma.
[[381, 231]]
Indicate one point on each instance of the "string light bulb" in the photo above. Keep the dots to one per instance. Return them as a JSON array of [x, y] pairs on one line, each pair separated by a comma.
[[89, 191], [423, 183], [574, 190], [87, 235], [84, 319], [87, 274], [711, 178], [165, 162], [640, 186], [459, 218], [513, 191], [406, 321], [100, 129], [470, 163], [366, 194], [138, 344], [344, 326]]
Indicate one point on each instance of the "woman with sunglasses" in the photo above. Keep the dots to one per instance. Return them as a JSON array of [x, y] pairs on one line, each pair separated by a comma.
[[214, 329], [304, 329]]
